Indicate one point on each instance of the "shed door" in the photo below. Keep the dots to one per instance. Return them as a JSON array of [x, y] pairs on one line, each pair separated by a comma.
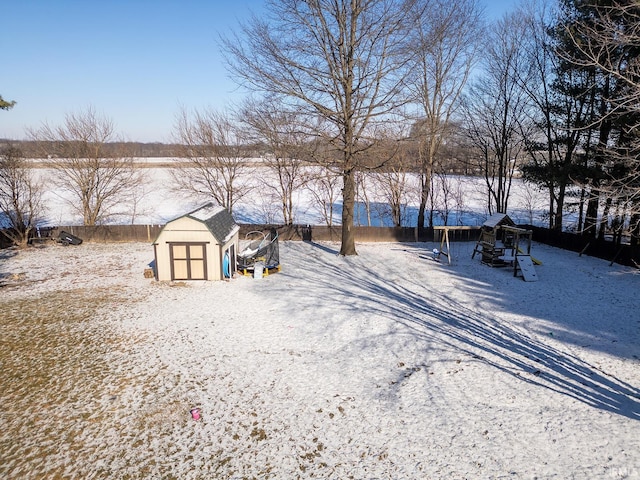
[[188, 261]]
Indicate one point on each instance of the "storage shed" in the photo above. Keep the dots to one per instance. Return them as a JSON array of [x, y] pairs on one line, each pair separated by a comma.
[[200, 245]]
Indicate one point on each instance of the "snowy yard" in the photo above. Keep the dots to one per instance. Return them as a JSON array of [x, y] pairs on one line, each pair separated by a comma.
[[386, 365]]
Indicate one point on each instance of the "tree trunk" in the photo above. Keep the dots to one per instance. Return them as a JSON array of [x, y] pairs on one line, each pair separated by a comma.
[[424, 194], [604, 221], [591, 216], [348, 246], [426, 179], [558, 216]]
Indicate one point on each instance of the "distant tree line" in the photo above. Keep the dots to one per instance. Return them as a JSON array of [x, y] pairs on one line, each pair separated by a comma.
[[35, 149], [549, 92]]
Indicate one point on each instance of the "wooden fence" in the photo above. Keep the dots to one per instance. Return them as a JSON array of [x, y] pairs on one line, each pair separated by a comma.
[[148, 233], [624, 254]]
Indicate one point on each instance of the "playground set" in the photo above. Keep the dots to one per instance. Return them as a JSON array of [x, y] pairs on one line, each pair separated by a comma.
[[500, 244]]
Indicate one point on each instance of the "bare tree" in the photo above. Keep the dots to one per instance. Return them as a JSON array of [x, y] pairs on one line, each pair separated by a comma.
[[392, 185], [285, 140], [98, 174], [20, 197], [391, 182], [446, 186], [363, 183], [529, 196], [266, 208], [496, 112], [212, 157], [323, 186], [339, 62], [446, 42]]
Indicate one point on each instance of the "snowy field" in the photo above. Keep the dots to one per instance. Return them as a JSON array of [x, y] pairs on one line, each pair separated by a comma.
[[157, 202], [387, 365]]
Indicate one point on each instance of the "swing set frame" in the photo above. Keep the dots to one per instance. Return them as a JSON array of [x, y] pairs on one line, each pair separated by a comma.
[[445, 245]]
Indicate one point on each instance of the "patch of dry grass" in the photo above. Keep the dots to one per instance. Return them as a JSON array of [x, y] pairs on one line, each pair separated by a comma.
[[80, 399], [54, 362], [85, 398]]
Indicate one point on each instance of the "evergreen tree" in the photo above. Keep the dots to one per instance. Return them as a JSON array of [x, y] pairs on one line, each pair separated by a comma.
[[563, 97], [582, 110], [5, 105]]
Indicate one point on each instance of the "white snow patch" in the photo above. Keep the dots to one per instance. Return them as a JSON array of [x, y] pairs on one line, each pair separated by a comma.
[[383, 365]]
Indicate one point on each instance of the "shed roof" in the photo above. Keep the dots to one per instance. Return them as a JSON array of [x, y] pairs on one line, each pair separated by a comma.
[[217, 219], [498, 219]]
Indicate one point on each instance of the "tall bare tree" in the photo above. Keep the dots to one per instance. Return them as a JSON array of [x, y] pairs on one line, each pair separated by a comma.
[[20, 197], [212, 157], [91, 164], [285, 143], [496, 111], [339, 62], [446, 45]]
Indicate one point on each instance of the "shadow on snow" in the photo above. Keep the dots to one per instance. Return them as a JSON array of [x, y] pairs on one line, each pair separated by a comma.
[[433, 316]]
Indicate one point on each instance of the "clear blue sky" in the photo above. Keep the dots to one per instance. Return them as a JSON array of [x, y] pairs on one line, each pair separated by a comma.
[[137, 62]]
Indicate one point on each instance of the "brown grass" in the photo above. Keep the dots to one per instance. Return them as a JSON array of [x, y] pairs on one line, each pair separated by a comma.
[[54, 357], [84, 398]]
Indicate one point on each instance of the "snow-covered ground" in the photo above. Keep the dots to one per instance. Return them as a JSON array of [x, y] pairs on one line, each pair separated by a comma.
[[384, 365], [157, 202]]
